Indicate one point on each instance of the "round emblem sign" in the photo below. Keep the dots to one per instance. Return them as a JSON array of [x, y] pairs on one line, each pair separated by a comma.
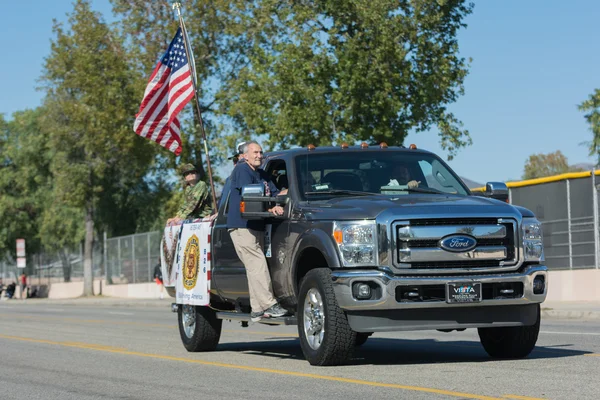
[[191, 258]]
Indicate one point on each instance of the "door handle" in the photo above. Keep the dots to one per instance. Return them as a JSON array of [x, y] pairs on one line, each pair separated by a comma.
[[218, 241]]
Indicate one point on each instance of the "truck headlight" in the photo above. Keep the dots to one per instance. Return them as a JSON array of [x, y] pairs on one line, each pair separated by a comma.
[[533, 247], [357, 241]]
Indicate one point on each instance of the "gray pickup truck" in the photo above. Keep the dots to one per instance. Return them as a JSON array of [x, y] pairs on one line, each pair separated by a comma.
[[378, 239]]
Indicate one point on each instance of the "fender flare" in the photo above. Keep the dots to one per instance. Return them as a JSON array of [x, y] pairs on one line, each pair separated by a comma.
[[317, 239]]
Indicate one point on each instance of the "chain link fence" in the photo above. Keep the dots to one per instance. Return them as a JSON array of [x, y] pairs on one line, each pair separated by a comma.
[[568, 210], [132, 258], [45, 268]]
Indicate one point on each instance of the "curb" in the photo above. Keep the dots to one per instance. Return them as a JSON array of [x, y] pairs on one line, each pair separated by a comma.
[[551, 313], [105, 301]]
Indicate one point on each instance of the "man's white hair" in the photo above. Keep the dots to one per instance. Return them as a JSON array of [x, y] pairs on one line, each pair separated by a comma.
[[247, 144]]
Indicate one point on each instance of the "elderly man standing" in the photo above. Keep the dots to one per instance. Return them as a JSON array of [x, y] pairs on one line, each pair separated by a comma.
[[197, 199], [248, 236]]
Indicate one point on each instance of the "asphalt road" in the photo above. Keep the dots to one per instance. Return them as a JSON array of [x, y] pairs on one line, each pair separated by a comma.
[[97, 352]]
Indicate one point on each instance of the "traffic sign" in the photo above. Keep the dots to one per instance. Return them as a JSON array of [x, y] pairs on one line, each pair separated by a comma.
[[21, 262], [20, 247]]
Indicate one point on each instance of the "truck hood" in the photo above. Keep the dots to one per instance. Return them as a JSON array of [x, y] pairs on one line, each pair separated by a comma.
[[407, 206]]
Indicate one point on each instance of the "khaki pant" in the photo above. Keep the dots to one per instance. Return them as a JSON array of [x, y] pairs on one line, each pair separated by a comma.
[[249, 246]]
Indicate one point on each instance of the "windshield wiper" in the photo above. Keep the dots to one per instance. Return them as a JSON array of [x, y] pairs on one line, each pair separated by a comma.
[[339, 191], [425, 190]]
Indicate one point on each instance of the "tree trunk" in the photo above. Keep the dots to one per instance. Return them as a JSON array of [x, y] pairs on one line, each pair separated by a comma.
[[66, 264], [88, 278]]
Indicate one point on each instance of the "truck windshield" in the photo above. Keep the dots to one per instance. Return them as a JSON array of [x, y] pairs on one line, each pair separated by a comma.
[[378, 172]]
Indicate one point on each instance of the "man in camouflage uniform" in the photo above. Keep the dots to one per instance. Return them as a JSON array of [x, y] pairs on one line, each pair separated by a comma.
[[197, 198]]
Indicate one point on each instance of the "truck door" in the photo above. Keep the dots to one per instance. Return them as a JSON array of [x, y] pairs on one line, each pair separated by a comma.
[[229, 275]]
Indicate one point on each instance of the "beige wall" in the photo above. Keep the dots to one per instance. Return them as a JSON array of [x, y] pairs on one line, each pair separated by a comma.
[[75, 289], [578, 285]]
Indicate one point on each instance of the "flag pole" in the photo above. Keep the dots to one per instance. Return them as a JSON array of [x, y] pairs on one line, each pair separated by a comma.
[[192, 66]]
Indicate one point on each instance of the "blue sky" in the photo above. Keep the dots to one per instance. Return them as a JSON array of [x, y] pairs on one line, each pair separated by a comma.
[[533, 62]]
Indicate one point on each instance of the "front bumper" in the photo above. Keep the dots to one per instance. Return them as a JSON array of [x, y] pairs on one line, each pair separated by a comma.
[[343, 280]]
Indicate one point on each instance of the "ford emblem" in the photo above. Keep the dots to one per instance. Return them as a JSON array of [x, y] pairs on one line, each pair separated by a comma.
[[458, 243]]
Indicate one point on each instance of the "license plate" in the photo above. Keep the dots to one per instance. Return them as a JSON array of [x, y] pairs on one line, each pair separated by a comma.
[[463, 292]]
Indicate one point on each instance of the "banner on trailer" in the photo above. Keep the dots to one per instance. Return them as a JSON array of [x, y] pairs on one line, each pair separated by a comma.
[[168, 253], [193, 264]]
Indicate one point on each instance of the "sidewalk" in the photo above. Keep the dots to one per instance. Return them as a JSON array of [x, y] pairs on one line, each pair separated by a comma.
[[589, 310], [97, 301], [551, 310]]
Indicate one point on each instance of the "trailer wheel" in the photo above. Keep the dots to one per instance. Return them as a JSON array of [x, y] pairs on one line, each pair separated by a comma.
[[510, 342], [325, 335], [199, 328]]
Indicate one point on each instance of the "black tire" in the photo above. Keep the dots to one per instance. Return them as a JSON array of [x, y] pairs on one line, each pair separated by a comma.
[[361, 338], [510, 342], [207, 330], [337, 345]]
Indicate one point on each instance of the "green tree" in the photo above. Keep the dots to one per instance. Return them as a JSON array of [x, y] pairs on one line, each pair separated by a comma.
[[215, 33], [332, 71], [92, 95], [541, 165], [317, 72], [591, 107], [25, 180]]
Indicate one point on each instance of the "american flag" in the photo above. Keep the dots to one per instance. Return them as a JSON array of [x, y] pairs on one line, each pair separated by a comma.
[[169, 89]]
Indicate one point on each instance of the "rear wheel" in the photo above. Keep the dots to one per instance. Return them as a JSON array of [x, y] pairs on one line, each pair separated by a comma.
[[199, 328], [325, 335], [510, 342]]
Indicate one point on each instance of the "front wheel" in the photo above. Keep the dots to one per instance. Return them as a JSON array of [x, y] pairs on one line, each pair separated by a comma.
[[510, 342], [325, 335], [199, 328]]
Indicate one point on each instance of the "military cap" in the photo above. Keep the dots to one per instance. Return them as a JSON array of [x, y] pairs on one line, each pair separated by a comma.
[[187, 167]]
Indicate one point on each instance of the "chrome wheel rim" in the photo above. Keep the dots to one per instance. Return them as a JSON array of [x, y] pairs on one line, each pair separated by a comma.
[[314, 319], [189, 320]]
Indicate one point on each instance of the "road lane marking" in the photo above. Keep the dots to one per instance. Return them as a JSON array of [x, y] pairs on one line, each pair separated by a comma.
[[266, 334], [517, 397], [108, 349], [120, 313]]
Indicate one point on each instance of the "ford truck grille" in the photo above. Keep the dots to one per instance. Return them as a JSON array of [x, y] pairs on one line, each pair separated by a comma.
[[418, 243]]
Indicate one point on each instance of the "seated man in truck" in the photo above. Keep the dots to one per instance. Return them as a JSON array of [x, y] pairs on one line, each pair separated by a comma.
[[401, 176], [248, 235], [197, 199]]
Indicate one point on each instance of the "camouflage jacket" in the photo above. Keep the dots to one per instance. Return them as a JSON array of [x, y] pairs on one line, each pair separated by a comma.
[[197, 202]]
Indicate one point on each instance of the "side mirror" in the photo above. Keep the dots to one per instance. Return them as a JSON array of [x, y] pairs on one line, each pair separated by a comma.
[[254, 204], [497, 190]]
